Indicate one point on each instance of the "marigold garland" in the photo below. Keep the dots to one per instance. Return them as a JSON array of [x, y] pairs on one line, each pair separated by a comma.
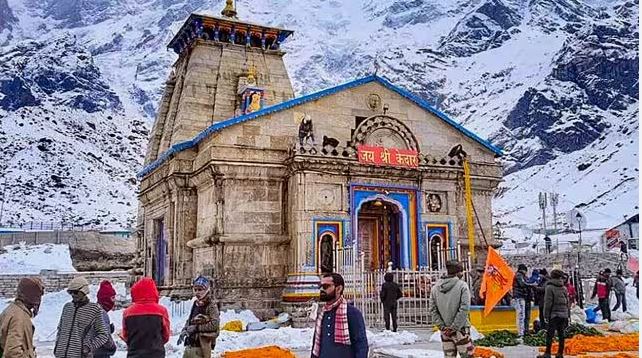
[[262, 352], [483, 352], [583, 344]]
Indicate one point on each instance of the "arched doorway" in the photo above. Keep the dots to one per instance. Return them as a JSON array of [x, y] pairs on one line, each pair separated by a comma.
[[435, 248], [380, 232], [326, 253]]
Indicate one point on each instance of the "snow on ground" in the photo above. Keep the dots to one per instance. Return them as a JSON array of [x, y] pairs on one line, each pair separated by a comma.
[[46, 323], [410, 353], [30, 259]]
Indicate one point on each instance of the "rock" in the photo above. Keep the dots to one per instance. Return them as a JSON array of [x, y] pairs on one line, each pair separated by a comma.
[[92, 251]]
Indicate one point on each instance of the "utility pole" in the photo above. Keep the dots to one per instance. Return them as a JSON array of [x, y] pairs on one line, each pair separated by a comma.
[[554, 201], [4, 194], [542, 205]]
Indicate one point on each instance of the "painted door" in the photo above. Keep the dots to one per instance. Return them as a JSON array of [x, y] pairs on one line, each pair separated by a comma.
[[161, 253]]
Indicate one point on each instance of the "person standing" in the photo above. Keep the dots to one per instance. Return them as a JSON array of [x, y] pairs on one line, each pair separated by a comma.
[[602, 289], [16, 329], [340, 331], [539, 291], [619, 287], [521, 292], [572, 293], [81, 329], [556, 308], [106, 298], [146, 324], [202, 325], [636, 283], [449, 308], [389, 295], [476, 299]]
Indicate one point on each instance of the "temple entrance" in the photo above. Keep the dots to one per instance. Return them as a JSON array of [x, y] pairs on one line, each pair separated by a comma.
[[159, 262], [379, 230], [326, 253], [435, 248]]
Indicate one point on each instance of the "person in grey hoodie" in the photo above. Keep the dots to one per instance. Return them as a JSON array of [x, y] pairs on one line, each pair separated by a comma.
[[449, 307], [619, 287], [556, 312]]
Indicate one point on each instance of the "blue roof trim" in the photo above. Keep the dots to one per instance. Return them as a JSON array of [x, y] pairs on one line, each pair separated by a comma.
[[179, 147]]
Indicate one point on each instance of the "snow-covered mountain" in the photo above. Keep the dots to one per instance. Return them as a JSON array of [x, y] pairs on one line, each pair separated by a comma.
[[554, 82]]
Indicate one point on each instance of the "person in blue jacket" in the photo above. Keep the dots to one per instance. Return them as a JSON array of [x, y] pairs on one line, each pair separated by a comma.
[[340, 331]]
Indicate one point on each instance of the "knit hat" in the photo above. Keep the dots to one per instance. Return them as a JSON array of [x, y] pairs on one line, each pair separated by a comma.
[[79, 284], [30, 291], [557, 274], [201, 281], [453, 267], [522, 267], [105, 294]]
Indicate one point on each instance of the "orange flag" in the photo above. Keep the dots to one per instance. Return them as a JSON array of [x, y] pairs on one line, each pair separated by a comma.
[[497, 280]]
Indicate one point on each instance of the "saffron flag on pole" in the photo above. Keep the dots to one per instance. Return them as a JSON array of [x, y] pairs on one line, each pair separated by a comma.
[[497, 280]]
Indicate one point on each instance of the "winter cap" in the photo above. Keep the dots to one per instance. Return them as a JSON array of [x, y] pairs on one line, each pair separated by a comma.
[[79, 284], [105, 294], [453, 267], [388, 277], [522, 267], [607, 271], [201, 281], [30, 291]]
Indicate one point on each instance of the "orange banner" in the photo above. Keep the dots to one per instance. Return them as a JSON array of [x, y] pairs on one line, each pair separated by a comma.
[[388, 156], [497, 280]]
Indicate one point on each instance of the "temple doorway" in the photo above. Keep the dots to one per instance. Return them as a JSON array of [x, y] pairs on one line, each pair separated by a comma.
[[379, 231], [326, 253], [435, 248]]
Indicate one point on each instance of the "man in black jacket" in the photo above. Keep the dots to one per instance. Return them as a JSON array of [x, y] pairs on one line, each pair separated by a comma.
[[390, 293]]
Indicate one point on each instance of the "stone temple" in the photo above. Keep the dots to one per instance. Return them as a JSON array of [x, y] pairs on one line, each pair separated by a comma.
[[247, 183]]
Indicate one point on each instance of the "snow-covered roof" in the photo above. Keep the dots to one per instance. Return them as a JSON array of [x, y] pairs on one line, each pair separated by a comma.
[[179, 147]]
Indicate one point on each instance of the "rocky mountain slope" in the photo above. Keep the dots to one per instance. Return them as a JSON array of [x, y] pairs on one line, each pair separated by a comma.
[[554, 82]]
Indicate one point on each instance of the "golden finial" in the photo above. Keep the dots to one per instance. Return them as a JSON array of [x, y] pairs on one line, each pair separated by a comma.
[[229, 10], [251, 75]]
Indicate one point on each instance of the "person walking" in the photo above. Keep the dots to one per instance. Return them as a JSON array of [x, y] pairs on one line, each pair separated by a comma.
[[16, 329], [619, 287], [602, 289], [202, 325], [106, 298], [146, 324], [556, 313], [389, 295], [81, 329], [449, 308], [340, 331], [521, 292]]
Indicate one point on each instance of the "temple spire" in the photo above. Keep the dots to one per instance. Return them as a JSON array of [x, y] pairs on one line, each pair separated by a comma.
[[229, 10]]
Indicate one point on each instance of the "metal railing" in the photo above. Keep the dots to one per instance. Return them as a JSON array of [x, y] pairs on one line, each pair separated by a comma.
[[363, 286]]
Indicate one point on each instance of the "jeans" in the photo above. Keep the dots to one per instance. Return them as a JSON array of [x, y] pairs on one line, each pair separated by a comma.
[[555, 324], [527, 315], [621, 299], [390, 312], [520, 313], [604, 306]]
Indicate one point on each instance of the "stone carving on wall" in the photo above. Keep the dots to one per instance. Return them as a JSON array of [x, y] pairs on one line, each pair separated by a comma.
[[434, 202], [384, 131], [373, 101], [306, 130]]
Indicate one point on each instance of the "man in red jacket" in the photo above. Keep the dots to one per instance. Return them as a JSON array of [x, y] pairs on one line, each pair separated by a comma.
[[146, 325]]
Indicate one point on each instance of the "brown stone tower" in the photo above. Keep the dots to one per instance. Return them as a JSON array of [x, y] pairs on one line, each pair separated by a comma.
[[225, 68]]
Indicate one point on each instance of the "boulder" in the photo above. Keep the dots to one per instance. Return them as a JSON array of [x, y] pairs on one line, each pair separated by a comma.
[[92, 251]]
